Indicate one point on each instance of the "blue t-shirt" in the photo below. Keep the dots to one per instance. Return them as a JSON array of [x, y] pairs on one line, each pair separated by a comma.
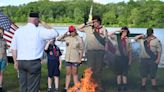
[[53, 52]]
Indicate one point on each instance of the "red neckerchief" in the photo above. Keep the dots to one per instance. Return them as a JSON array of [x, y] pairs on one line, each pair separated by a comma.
[[98, 29], [123, 41], [55, 52]]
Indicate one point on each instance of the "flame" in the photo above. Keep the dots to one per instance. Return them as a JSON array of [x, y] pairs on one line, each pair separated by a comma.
[[87, 83]]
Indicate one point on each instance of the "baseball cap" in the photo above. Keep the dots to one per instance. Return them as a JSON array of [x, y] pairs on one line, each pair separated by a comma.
[[71, 28]]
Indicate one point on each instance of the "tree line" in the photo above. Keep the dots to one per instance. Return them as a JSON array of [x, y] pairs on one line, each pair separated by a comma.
[[140, 13]]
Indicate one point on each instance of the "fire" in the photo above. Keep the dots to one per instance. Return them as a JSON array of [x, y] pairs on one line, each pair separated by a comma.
[[86, 84]]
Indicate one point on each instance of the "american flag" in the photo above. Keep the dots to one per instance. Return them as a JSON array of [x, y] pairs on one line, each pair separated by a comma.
[[9, 28]]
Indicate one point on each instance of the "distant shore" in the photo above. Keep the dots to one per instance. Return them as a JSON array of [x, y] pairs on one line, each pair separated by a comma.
[[68, 24], [53, 24], [63, 24]]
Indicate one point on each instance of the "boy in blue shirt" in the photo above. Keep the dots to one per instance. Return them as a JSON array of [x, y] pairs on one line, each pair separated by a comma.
[[54, 63]]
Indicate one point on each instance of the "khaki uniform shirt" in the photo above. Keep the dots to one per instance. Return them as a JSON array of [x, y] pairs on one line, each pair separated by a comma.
[[3, 47], [91, 42], [115, 43], [155, 46], [73, 46]]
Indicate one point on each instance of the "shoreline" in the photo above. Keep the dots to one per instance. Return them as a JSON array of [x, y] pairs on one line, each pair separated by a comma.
[[52, 24], [68, 24]]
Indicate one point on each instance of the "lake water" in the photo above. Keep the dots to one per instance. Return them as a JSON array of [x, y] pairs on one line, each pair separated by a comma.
[[159, 33]]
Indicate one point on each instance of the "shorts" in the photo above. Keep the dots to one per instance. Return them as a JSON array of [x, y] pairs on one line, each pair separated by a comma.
[[74, 64], [53, 68], [121, 65], [148, 68], [2, 64]]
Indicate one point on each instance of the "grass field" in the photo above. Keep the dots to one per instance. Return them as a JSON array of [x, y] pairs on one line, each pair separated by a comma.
[[11, 80]]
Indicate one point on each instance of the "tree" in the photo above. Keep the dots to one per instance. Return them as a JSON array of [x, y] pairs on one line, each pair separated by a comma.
[[78, 15], [109, 18]]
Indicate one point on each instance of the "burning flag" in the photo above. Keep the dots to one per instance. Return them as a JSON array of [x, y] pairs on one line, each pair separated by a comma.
[[86, 84]]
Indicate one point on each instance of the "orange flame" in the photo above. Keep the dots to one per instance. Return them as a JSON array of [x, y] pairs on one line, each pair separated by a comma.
[[87, 83]]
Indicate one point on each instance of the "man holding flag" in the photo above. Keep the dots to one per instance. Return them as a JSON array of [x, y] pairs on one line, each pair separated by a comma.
[[7, 29]]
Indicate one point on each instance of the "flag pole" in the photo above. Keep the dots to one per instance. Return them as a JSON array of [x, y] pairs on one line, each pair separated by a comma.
[[90, 14]]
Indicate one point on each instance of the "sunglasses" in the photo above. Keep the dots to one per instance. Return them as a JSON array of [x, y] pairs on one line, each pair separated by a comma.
[[94, 21]]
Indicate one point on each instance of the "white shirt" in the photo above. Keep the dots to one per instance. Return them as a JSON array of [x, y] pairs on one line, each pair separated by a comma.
[[29, 41]]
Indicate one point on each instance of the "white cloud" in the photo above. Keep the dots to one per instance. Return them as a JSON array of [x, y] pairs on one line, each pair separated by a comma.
[[15, 2], [2, 4]]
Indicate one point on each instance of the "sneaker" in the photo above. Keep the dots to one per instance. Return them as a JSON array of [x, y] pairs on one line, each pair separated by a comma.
[[143, 88], [155, 88], [124, 88], [49, 90], [56, 90], [119, 89]]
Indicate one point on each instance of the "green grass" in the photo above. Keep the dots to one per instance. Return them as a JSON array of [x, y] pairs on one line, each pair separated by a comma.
[[11, 82]]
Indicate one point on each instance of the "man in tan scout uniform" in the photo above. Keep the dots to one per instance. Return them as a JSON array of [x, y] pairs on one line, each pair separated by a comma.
[[150, 57], [95, 33], [3, 58]]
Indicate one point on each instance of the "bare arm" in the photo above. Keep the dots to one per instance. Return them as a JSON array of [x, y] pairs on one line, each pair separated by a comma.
[[80, 27], [81, 55], [61, 38], [158, 57], [139, 37], [81, 49], [14, 55], [60, 61], [113, 32], [159, 45]]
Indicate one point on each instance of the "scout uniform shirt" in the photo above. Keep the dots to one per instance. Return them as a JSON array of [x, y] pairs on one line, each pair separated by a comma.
[[73, 46], [155, 46], [128, 46], [91, 41]]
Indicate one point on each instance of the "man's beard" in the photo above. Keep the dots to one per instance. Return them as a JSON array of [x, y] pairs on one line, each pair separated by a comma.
[[36, 25]]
